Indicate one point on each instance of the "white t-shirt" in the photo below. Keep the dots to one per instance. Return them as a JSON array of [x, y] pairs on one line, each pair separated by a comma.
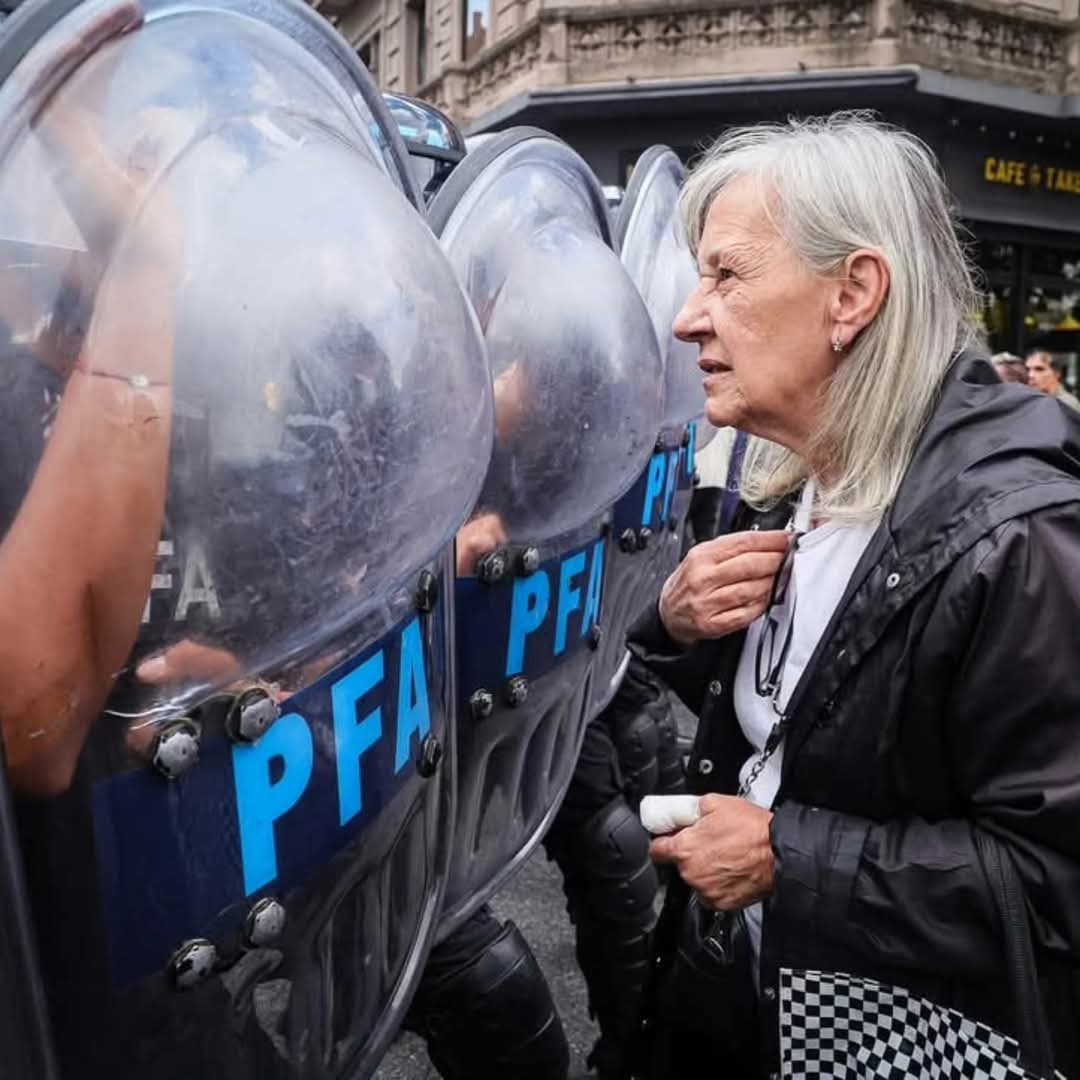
[[823, 564]]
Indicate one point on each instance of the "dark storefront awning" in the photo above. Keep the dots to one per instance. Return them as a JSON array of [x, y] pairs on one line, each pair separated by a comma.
[[1011, 156]]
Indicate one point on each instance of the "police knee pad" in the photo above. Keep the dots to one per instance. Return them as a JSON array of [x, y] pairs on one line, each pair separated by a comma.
[[620, 880], [637, 744], [671, 778], [493, 1017], [639, 689]]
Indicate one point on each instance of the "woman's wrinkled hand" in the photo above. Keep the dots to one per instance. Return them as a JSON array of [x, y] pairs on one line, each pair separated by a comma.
[[726, 858], [721, 586]]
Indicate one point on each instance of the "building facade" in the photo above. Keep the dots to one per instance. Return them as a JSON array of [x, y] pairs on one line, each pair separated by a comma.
[[992, 85]]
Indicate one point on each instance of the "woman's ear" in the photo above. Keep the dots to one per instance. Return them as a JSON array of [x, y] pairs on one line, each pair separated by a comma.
[[860, 292]]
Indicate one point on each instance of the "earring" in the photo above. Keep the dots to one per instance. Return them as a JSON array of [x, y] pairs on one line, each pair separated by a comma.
[[837, 344]]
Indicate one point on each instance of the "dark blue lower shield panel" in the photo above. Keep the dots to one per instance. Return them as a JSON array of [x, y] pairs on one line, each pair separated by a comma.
[[526, 648], [329, 814], [644, 548]]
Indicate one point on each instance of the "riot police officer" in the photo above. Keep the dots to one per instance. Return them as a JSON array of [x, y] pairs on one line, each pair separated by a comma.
[[226, 651], [483, 1005]]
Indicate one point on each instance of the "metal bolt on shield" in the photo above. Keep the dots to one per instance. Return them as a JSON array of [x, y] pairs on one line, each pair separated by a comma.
[[517, 691], [431, 753], [265, 922], [427, 592], [176, 749], [482, 704], [193, 963], [252, 714], [492, 567], [529, 562]]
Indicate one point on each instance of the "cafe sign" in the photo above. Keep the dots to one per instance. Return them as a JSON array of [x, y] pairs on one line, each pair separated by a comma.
[[1020, 173]]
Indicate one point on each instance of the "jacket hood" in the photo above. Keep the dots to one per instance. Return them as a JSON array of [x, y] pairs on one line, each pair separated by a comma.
[[991, 451]]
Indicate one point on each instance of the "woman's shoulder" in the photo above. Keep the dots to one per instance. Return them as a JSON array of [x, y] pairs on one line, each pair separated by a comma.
[[1026, 564]]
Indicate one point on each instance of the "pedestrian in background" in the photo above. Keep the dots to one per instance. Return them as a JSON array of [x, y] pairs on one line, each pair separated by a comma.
[[1010, 367], [1047, 373]]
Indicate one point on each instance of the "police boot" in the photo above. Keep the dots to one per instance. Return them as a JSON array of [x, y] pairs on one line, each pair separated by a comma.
[[485, 1009], [611, 889]]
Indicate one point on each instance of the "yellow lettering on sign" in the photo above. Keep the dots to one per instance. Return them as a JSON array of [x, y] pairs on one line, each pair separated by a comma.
[[1031, 174], [1005, 171]]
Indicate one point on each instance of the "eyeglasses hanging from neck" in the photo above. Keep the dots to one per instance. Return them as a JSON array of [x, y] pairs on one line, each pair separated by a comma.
[[774, 642]]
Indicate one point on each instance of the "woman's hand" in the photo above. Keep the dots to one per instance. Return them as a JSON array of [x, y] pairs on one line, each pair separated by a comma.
[[726, 858], [721, 586]]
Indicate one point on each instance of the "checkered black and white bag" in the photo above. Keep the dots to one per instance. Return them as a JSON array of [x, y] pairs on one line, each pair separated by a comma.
[[839, 1027]]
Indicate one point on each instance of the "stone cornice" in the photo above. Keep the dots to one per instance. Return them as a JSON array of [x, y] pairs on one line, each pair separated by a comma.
[[684, 39]]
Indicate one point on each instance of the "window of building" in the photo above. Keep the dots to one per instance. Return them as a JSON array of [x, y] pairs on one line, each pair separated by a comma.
[[416, 19], [477, 22], [368, 51], [1031, 294]]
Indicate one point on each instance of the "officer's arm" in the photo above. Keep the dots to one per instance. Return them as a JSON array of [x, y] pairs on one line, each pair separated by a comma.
[[75, 569], [76, 564]]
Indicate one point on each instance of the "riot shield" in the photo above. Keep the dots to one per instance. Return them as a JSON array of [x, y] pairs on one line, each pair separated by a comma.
[[243, 386], [647, 533], [578, 398], [434, 144]]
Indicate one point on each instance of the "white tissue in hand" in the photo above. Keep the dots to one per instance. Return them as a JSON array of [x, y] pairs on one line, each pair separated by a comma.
[[665, 813]]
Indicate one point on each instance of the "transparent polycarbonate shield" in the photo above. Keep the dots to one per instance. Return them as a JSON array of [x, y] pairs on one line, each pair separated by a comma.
[[242, 383], [647, 533], [655, 254], [578, 395], [577, 374], [433, 142], [203, 182]]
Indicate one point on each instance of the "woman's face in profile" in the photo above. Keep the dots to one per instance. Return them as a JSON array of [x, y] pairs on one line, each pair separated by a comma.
[[760, 320]]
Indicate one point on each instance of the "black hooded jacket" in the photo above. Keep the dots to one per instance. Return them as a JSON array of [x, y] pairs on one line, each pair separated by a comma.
[[945, 692]]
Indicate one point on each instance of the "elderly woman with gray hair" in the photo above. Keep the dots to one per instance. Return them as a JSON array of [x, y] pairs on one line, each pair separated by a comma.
[[883, 653]]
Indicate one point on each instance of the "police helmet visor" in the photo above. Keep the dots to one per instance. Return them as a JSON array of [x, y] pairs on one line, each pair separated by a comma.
[[575, 364], [656, 255]]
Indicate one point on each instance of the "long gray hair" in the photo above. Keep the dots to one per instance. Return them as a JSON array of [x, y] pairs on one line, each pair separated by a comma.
[[832, 186]]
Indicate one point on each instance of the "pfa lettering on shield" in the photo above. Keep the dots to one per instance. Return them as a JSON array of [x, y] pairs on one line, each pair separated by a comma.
[[554, 607], [332, 760]]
